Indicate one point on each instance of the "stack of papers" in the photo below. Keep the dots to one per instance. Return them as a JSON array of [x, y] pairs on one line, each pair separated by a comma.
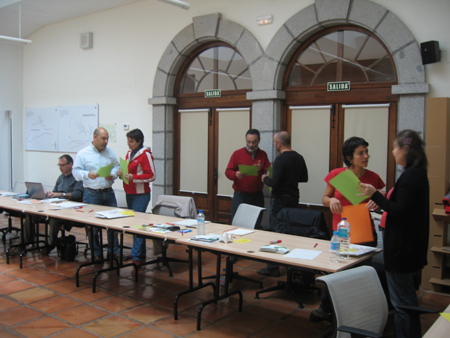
[[116, 213], [274, 248], [210, 238], [359, 250]]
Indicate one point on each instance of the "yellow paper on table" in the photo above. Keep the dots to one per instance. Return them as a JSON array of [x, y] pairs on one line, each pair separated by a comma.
[[124, 170], [360, 223], [446, 316], [242, 240], [249, 170], [127, 212], [105, 171], [348, 183]]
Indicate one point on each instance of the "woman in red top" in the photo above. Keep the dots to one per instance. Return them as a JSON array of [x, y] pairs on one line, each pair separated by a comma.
[[141, 171], [356, 158]]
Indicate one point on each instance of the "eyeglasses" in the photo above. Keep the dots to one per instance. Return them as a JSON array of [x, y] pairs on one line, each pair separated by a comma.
[[62, 165]]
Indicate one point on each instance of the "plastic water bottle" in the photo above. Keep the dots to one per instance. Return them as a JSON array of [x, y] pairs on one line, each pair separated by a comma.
[[344, 236], [335, 248], [200, 223]]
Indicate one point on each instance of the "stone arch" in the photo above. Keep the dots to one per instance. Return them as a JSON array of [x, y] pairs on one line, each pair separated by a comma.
[[405, 50], [211, 27]]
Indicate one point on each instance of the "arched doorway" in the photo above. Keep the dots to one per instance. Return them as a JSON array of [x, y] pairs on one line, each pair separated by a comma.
[[208, 129], [353, 60]]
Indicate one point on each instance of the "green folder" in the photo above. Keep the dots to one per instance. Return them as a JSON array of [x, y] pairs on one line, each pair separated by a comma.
[[347, 183], [105, 171], [124, 170], [250, 170]]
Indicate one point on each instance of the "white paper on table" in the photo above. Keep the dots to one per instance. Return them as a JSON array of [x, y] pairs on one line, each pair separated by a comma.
[[303, 254], [7, 194], [189, 223], [109, 214], [28, 201], [54, 199], [240, 232], [67, 205]]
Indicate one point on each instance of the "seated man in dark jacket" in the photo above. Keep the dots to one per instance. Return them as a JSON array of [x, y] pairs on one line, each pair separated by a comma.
[[66, 187]]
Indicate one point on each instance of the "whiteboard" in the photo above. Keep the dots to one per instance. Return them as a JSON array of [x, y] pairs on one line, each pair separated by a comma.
[[60, 129]]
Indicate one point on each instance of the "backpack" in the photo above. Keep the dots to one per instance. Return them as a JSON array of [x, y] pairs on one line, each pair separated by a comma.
[[66, 247]]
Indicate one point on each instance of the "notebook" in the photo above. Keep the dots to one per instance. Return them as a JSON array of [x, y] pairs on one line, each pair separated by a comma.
[[35, 190]]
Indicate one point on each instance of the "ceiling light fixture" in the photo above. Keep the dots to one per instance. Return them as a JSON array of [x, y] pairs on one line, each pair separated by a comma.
[[19, 39], [264, 20], [177, 3]]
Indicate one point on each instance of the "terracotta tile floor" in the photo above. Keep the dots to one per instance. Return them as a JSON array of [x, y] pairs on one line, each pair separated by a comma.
[[42, 300]]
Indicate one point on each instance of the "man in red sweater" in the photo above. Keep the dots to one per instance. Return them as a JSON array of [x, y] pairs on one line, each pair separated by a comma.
[[247, 188]]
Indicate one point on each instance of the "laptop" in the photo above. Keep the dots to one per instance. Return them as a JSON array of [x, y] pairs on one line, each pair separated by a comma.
[[35, 190]]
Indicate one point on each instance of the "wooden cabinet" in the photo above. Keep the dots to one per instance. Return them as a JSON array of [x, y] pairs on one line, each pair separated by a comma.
[[437, 140]]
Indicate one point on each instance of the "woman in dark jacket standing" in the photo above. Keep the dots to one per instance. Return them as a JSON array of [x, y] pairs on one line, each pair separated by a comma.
[[407, 224]]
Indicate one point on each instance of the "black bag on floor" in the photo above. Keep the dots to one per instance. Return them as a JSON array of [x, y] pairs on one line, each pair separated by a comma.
[[66, 247]]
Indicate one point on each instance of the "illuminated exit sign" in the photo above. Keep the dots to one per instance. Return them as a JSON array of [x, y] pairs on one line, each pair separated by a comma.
[[338, 86], [213, 93]]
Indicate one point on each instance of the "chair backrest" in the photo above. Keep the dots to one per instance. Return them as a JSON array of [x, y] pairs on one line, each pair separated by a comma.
[[246, 216], [358, 299], [178, 206]]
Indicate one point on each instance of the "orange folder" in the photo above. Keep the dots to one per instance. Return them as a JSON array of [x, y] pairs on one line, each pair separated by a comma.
[[360, 223]]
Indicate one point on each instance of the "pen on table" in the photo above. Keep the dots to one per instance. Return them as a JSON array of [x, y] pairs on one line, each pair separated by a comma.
[[147, 225], [91, 210], [315, 244], [230, 229], [170, 223], [79, 210], [182, 232], [275, 242]]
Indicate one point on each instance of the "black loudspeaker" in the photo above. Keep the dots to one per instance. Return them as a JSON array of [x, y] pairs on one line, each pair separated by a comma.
[[430, 52]]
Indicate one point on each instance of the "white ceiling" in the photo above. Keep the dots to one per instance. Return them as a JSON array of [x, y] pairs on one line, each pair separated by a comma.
[[38, 13]]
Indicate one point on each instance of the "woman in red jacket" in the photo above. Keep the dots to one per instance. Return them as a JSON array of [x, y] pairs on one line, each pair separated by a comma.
[[141, 171]]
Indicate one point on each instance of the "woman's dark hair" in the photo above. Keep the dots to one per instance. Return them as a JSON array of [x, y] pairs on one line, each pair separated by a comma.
[[416, 156], [137, 135], [349, 148]]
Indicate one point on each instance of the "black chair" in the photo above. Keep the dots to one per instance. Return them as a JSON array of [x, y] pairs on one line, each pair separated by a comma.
[[299, 222]]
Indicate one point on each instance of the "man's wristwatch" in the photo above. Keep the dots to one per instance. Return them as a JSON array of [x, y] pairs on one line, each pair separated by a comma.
[[64, 194]]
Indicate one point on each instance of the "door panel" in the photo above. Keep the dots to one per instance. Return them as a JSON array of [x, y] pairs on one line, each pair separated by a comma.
[[310, 132], [194, 150], [371, 122], [208, 137], [232, 125]]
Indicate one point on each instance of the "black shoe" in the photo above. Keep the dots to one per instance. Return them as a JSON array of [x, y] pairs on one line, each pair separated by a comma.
[[50, 249], [98, 259], [269, 272], [234, 259], [319, 315]]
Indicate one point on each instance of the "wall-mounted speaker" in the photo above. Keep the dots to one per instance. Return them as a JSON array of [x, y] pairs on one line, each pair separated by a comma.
[[430, 52], [86, 40]]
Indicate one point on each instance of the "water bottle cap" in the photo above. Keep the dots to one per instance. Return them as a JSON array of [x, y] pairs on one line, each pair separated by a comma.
[[344, 218], [335, 232], [200, 211]]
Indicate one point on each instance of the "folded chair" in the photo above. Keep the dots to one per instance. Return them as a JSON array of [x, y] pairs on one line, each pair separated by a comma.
[[175, 206]]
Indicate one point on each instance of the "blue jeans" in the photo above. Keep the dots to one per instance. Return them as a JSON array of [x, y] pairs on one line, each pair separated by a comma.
[[139, 203], [256, 199], [401, 292], [108, 199]]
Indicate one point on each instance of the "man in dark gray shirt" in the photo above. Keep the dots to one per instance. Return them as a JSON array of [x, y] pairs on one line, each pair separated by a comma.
[[66, 187]]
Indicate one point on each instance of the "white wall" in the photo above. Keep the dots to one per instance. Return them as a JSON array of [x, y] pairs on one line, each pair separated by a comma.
[[118, 72], [10, 99]]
